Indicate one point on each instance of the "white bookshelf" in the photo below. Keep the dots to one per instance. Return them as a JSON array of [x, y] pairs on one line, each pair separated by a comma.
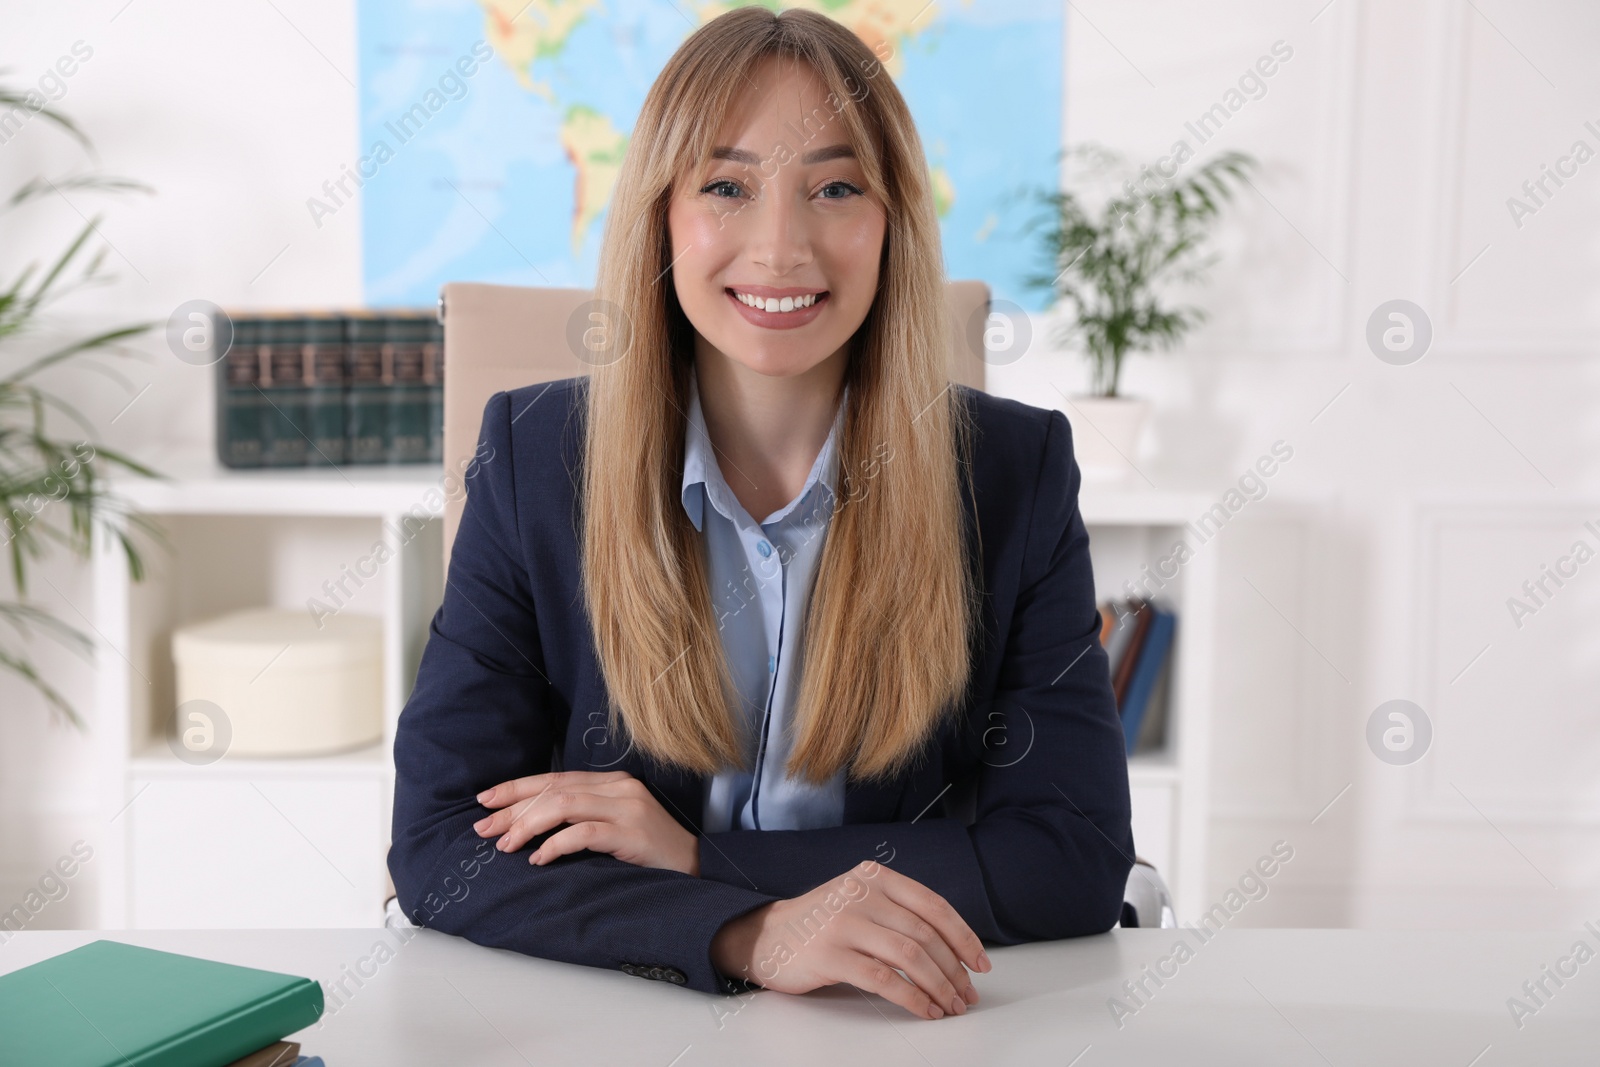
[[301, 842], [1170, 787], [261, 842]]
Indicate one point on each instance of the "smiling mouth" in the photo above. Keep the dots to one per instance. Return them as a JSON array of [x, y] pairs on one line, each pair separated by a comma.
[[779, 305]]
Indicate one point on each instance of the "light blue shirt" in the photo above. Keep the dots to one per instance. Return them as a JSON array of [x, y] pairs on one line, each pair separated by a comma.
[[761, 578]]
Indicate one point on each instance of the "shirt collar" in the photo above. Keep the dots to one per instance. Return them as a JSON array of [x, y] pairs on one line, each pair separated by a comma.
[[700, 467]]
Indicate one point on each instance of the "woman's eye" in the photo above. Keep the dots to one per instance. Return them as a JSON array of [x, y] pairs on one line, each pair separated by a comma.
[[722, 183], [718, 187]]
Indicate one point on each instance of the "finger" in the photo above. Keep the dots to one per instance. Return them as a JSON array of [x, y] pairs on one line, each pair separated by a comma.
[[550, 810], [875, 976], [594, 836], [497, 822], [510, 792], [561, 808], [892, 916], [503, 819], [905, 953], [498, 796], [924, 902]]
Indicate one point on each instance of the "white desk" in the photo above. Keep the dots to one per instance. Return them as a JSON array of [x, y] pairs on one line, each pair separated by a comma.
[[1272, 997]]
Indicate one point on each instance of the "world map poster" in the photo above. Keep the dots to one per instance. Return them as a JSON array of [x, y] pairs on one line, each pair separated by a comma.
[[492, 131]]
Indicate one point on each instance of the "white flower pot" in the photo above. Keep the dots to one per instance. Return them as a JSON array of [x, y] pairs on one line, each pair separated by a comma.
[[1105, 435]]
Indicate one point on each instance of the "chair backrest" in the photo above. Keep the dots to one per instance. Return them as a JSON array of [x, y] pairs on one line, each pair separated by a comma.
[[502, 337]]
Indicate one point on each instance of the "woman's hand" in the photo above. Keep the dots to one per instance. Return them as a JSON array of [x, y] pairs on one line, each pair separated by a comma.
[[610, 811], [859, 928]]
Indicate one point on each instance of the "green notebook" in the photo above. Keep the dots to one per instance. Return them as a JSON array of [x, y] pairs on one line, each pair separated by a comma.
[[108, 1004]]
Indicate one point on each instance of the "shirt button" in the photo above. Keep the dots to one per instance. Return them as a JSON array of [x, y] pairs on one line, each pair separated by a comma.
[[763, 548]]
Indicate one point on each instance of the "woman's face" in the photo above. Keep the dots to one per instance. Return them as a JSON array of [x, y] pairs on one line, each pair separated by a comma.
[[781, 214]]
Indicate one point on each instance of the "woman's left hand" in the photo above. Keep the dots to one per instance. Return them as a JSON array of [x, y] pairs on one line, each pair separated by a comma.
[[610, 811]]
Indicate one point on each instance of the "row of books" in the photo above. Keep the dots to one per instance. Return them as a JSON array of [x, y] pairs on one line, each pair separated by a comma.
[[1137, 635], [327, 389]]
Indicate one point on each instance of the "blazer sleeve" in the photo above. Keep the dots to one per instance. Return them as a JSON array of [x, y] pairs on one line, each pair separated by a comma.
[[481, 713], [1049, 850]]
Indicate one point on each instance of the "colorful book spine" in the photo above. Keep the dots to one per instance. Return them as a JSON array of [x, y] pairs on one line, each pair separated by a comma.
[[239, 398], [370, 371], [1152, 658], [283, 385], [433, 367], [325, 385], [1140, 623], [1138, 637], [406, 337]]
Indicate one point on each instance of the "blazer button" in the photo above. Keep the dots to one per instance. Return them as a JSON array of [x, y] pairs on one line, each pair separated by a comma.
[[657, 974], [676, 977], [629, 968]]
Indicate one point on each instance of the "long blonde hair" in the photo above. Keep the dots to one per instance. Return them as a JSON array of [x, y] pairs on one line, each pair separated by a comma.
[[890, 630]]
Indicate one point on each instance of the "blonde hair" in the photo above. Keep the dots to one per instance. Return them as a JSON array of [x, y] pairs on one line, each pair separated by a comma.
[[890, 629]]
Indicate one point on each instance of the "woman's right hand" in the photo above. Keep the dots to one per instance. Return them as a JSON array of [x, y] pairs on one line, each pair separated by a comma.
[[859, 928]]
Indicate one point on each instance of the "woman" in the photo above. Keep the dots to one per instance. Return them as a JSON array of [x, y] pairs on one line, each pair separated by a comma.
[[848, 742]]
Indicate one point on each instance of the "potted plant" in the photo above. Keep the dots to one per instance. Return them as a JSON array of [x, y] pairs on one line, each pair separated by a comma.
[[1109, 268], [52, 487]]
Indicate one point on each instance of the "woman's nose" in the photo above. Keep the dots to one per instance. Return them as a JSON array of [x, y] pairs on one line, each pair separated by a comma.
[[779, 237]]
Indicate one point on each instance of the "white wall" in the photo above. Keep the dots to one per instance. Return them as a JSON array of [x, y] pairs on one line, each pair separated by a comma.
[[1418, 500]]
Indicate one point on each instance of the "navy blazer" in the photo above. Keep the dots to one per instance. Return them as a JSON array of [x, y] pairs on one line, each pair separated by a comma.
[[1017, 814]]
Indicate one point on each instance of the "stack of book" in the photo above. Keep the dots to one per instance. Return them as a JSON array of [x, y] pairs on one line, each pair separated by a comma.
[[1137, 636], [110, 1004], [327, 389]]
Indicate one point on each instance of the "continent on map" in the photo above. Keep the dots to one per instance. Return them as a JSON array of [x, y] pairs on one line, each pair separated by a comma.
[[881, 24], [595, 147], [526, 31]]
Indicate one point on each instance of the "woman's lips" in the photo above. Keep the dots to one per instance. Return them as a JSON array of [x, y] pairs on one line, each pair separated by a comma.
[[778, 320]]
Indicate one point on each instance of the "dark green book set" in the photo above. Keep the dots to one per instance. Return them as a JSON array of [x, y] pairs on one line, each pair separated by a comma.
[[323, 390]]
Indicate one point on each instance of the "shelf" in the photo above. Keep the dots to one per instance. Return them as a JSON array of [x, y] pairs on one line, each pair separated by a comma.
[[1104, 505], [156, 760], [199, 485], [1153, 768], [280, 536]]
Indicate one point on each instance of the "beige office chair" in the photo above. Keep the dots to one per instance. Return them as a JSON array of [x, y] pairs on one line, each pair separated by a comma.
[[501, 337]]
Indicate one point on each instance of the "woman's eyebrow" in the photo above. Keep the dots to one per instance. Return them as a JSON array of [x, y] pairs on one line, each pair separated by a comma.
[[818, 155]]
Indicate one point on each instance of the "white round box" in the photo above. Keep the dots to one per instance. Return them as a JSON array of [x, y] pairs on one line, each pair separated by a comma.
[[287, 686]]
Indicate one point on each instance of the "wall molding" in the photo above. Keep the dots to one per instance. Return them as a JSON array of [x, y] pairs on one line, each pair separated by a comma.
[[1429, 796], [1456, 24]]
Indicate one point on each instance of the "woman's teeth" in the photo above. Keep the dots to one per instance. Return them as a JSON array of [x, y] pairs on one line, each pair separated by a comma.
[[776, 304]]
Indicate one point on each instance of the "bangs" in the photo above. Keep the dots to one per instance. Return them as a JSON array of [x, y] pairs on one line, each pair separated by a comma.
[[689, 148]]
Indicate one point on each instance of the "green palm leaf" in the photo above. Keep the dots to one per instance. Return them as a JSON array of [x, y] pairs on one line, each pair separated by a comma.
[[1109, 266], [53, 489]]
